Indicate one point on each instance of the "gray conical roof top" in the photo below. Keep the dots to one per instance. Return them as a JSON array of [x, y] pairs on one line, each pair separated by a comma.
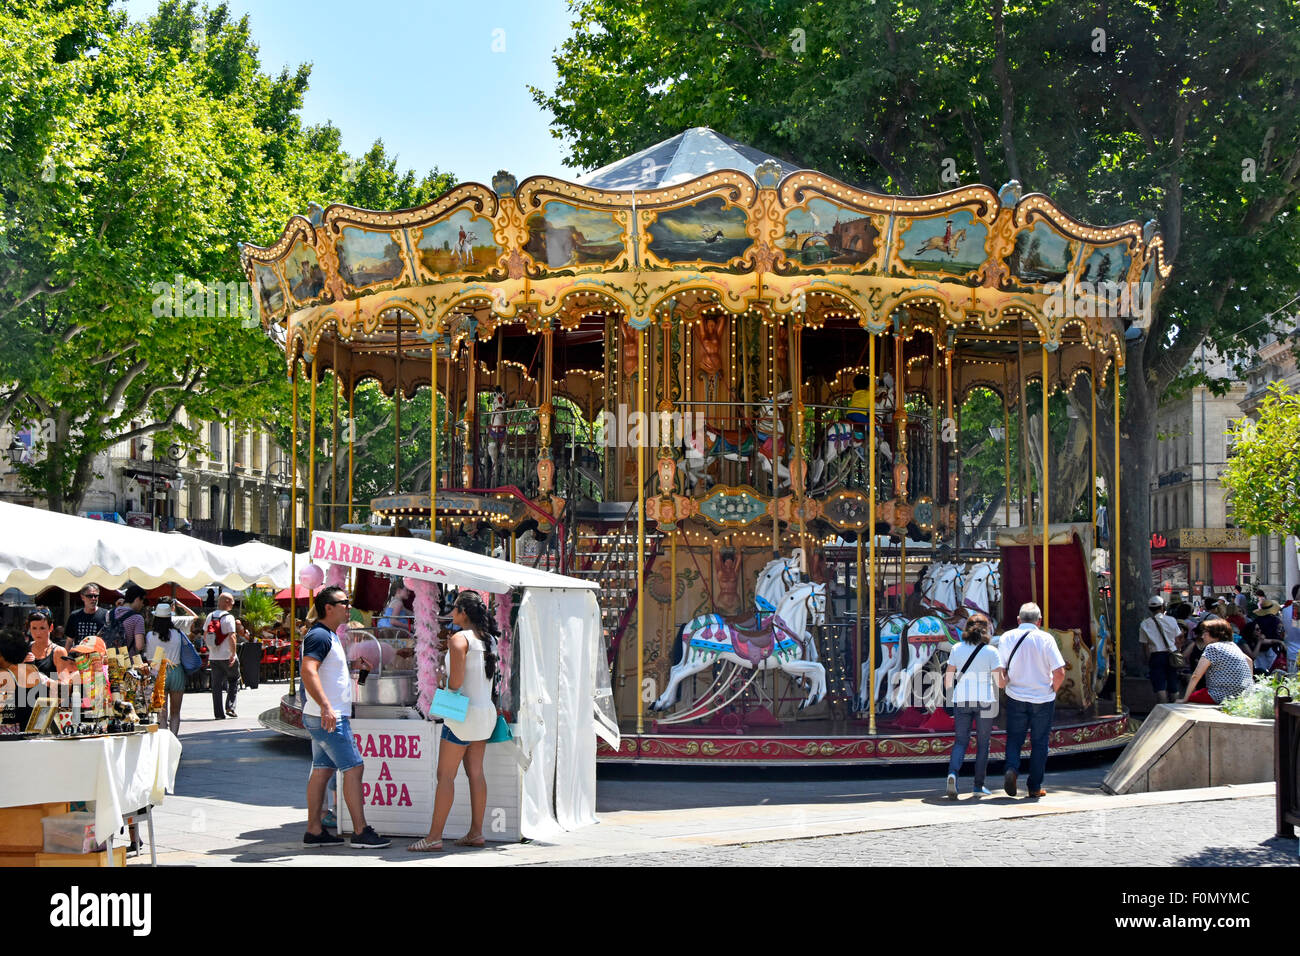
[[677, 160]]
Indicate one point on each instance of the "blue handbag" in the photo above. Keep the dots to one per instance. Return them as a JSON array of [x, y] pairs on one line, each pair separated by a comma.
[[501, 732], [190, 659], [449, 705]]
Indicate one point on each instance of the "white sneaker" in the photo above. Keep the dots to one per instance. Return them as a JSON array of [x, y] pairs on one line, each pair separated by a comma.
[[952, 786], [982, 791]]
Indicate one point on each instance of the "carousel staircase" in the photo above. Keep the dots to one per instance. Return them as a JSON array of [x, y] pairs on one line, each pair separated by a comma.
[[609, 557]]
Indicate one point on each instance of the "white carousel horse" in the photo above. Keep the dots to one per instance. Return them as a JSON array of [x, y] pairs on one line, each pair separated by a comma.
[[842, 437], [781, 644], [889, 629], [983, 587], [942, 587], [925, 637], [775, 580], [496, 431], [769, 433], [464, 246]]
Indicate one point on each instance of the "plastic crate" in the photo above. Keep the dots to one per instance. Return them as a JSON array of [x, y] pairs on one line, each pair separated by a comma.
[[70, 833]]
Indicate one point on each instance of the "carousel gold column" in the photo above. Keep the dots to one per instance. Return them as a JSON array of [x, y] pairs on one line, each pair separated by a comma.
[[797, 472], [352, 437], [334, 438], [1027, 491], [470, 457], [293, 526], [545, 414], [1114, 564], [311, 452], [1006, 449], [397, 416], [640, 533], [1047, 510], [433, 435], [871, 529]]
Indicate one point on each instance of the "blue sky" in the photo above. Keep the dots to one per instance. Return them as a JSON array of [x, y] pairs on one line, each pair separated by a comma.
[[443, 84]]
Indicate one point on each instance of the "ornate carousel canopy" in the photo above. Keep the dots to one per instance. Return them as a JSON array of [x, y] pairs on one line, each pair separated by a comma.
[[697, 228]]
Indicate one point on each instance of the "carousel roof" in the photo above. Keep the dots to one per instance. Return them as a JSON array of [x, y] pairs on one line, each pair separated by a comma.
[[680, 159], [699, 225]]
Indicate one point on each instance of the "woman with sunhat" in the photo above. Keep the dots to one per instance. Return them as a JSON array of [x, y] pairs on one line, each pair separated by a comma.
[[163, 634]]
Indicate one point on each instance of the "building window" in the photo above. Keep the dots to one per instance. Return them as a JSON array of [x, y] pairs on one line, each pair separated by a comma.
[[214, 441], [214, 503]]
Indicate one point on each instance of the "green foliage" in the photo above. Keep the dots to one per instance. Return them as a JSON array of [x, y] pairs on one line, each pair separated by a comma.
[[259, 610], [1263, 474], [1257, 701]]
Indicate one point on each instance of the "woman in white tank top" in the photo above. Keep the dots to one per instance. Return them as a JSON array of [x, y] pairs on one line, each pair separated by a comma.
[[471, 669]]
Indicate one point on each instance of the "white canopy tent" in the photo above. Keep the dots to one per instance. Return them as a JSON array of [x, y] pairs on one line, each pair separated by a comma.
[[41, 549], [564, 694], [279, 571]]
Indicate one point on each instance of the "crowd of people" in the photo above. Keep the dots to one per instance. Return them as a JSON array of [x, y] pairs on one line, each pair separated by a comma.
[[1251, 634]]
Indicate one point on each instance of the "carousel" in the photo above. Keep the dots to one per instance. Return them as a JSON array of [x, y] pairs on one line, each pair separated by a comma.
[[729, 391]]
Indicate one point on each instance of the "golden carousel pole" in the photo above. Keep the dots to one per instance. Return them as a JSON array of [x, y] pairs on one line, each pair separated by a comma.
[[795, 356], [293, 525], [772, 332], [1047, 568], [352, 434], [433, 435], [954, 455], [871, 529], [1026, 492], [334, 440], [935, 361], [311, 453], [900, 458], [469, 464], [1114, 564], [1006, 447], [640, 532], [397, 417]]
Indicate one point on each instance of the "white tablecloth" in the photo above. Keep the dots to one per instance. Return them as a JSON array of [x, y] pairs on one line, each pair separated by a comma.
[[121, 774]]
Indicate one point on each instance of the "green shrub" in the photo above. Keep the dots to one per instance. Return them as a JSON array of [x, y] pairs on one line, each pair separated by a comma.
[[260, 610], [1258, 701]]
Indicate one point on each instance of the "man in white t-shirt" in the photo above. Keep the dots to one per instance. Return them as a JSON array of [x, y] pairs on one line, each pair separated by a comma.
[[1031, 670], [327, 717], [1158, 638], [219, 635]]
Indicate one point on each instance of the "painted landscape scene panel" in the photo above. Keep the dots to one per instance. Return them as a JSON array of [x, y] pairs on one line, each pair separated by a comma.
[[826, 232], [460, 243], [269, 290], [562, 235], [952, 243], [1041, 254], [701, 232], [1107, 264], [303, 273], [368, 257]]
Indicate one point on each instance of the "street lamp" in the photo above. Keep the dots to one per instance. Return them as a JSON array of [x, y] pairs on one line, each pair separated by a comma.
[[276, 473], [174, 454]]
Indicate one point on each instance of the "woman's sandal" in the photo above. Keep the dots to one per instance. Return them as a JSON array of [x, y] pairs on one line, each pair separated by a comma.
[[425, 845], [471, 841]]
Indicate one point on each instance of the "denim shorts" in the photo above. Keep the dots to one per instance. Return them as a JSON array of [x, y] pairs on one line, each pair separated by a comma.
[[335, 750], [451, 738]]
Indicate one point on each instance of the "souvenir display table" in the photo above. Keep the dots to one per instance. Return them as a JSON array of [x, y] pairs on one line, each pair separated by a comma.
[[121, 773]]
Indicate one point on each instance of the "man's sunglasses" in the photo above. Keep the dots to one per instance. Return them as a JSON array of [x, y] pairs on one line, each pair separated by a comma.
[[344, 603]]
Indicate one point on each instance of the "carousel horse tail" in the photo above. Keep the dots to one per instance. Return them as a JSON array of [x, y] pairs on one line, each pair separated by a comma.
[[679, 648]]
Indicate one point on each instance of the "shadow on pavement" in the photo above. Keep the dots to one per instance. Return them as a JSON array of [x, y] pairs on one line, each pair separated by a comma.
[[1278, 851]]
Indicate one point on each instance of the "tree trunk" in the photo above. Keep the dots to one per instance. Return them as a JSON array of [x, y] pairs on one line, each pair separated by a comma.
[[1137, 459]]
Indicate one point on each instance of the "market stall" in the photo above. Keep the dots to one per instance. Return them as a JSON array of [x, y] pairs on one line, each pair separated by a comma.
[[546, 780]]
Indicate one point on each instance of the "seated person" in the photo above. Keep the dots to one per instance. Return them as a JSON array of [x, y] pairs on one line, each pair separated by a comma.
[[1226, 670], [859, 410]]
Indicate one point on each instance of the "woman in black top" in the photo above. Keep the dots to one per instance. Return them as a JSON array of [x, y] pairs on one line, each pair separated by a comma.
[[20, 682], [48, 656]]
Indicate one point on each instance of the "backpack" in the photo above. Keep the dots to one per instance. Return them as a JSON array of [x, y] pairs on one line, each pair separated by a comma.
[[214, 627], [114, 632]]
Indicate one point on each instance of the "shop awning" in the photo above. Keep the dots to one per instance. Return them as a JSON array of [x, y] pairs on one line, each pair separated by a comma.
[[430, 561], [564, 692], [43, 549]]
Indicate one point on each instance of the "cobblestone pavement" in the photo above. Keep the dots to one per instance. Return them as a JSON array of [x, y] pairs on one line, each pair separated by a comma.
[[1215, 833]]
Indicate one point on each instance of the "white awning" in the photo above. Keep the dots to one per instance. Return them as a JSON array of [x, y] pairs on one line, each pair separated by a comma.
[[274, 560], [40, 549], [430, 561]]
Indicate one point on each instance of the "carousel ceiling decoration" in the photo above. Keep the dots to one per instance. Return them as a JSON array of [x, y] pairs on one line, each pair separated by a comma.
[[701, 219]]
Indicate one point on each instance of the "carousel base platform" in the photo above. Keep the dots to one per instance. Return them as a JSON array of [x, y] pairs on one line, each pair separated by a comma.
[[829, 743]]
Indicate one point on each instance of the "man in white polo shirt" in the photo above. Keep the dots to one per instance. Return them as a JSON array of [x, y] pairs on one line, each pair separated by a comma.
[[1032, 671], [326, 716]]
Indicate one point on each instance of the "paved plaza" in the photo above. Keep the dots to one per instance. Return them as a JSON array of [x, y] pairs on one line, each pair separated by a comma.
[[240, 799]]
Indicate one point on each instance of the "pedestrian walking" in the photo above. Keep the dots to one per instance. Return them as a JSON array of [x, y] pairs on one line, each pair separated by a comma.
[[124, 625], [1158, 637], [164, 634], [969, 679], [1031, 669], [1291, 629], [219, 635], [327, 717], [471, 670]]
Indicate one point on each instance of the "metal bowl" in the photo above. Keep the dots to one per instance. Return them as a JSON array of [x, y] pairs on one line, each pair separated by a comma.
[[390, 688]]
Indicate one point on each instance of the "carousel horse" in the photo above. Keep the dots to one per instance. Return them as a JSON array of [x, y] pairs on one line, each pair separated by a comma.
[[923, 636], [842, 437], [943, 586], [496, 432], [770, 438], [776, 579], [983, 587], [783, 643]]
